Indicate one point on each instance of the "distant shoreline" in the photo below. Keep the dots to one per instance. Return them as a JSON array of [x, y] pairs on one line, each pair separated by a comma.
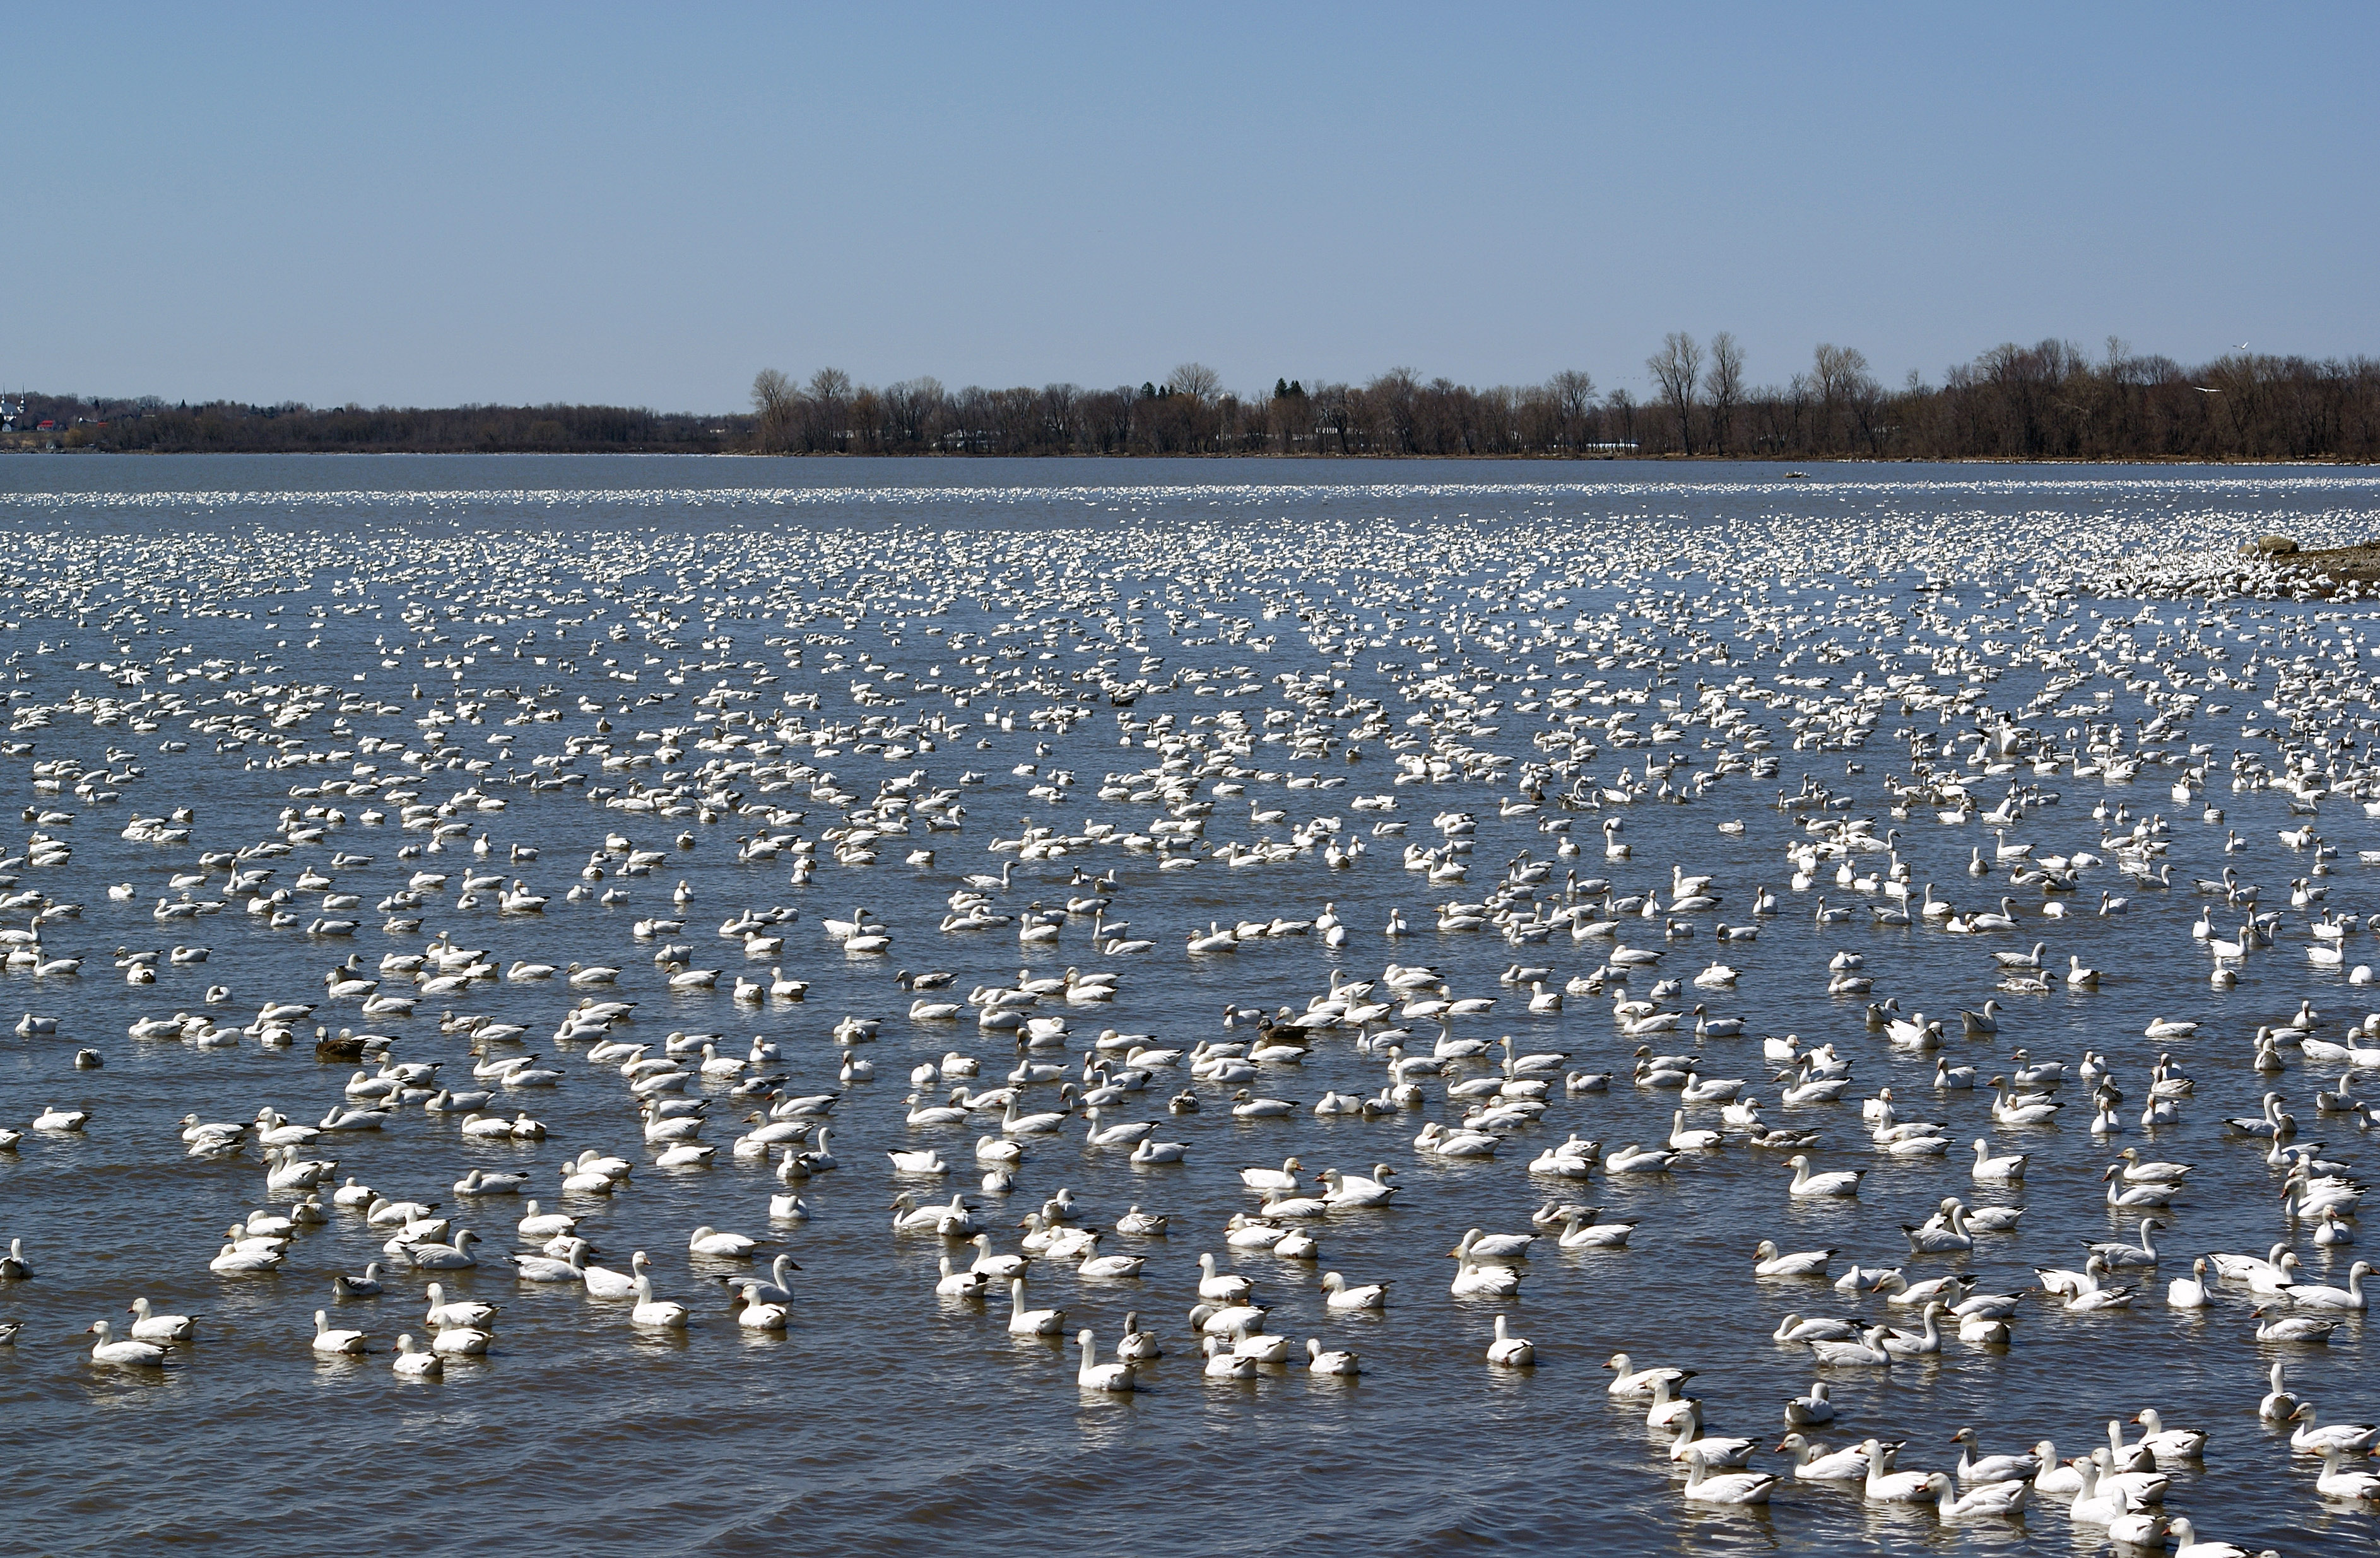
[[1252, 457], [2050, 403]]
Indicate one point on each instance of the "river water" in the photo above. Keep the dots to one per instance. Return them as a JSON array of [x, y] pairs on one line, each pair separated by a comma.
[[171, 623]]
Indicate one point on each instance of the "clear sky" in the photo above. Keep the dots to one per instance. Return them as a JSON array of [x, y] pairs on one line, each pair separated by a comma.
[[428, 204]]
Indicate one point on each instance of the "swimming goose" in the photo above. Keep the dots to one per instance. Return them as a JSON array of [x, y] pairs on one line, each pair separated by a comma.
[[774, 1289], [1581, 1231], [1224, 1363], [1946, 1232], [2118, 1254], [727, 1245], [1136, 1224], [2336, 1482], [1769, 1262], [2083, 1291], [1350, 1191], [1250, 1340], [1345, 1365], [2323, 1297], [1226, 1319], [2137, 1170], [2104, 1496], [2056, 1477], [2002, 1500], [2278, 1406], [756, 1312], [326, 1340], [1631, 1384], [2124, 1195], [1815, 1463], [2300, 1328], [1508, 1351], [2184, 1540], [2245, 1267], [1228, 1288], [1339, 1294], [154, 1328], [1806, 1184], [1900, 1291], [1094, 1375], [601, 1282], [2309, 1439], [2194, 1291], [2163, 1443], [1692, 1445], [1884, 1486], [1868, 1352], [1811, 1409], [659, 1313], [1793, 1328], [445, 1257], [461, 1312], [998, 1268], [1740, 1487], [1925, 1342], [413, 1364], [2030, 1108], [2008, 1170], [1492, 1249], [235, 1261], [1475, 1280], [1108, 1268], [528, 1268], [1023, 1321], [1137, 1344], [1975, 1468], [1685, 1140], [127, 1353]]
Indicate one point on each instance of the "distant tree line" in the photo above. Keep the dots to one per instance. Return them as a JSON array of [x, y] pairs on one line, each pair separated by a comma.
[[2047, 401], [2052, 401], [152, 426]]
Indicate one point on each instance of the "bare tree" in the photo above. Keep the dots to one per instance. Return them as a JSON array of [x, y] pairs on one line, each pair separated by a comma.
[[1837, 372], [1390, 398], [1195, 380], [1334, 413], [1060, 413], [1572, 393], [911, 407], [773, 404], [1676, 367], [1724, 384], [830, 402], [1799, 434], [1623, 408]]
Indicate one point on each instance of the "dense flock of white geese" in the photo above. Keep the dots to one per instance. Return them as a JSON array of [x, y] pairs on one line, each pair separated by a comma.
[[1224, 753]]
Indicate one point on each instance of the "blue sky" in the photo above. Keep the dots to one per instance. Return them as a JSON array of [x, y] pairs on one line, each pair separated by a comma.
[[432, 204]]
